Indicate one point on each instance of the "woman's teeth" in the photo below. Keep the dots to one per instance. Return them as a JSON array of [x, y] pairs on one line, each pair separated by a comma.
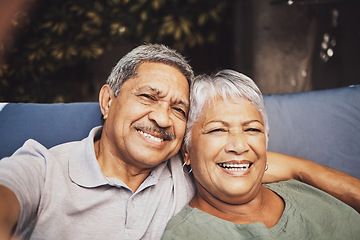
[[150, 136], [235, 167]]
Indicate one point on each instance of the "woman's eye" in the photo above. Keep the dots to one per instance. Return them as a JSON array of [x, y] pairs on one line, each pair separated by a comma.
[[253, 130], [217, 130]]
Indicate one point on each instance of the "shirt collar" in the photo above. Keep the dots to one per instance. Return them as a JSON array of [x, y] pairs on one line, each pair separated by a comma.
[[84, 168]]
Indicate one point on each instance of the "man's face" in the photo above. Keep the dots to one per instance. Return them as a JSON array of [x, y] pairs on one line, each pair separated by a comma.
[[146, 122]]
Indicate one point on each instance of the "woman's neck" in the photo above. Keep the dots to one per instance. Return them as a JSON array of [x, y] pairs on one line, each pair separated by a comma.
[[267, 207]]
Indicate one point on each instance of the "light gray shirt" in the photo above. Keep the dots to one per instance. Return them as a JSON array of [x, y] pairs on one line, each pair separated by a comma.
[[64, 195]]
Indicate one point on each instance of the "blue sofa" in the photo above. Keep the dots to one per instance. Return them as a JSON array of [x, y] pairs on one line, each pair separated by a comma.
[[323, 126]]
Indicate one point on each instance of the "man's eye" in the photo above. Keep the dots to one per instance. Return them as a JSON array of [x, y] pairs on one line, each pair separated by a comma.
[[147, 96], [181, 111]]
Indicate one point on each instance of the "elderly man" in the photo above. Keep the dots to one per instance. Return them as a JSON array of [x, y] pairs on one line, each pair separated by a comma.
[[124, 180]]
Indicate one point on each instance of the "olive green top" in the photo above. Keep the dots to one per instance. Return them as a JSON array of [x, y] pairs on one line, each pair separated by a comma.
[[309, 214]]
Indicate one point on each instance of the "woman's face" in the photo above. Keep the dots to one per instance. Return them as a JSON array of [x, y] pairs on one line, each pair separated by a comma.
[[228, 151]]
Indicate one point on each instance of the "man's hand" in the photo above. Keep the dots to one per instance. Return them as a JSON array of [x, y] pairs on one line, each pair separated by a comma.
[[282, 167], [9, 212], [336, 183]]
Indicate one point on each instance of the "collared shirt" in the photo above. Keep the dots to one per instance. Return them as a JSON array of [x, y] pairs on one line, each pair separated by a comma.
[[64, 195]]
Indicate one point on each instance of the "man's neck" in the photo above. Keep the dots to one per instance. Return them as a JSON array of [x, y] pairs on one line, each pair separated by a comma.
[[112, 166]]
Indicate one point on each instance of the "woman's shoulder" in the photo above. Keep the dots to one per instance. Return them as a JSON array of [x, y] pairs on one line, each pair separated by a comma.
[[322, 215], [310, 200]]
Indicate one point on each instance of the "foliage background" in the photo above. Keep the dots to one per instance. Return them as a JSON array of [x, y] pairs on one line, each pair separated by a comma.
[[43, 60]]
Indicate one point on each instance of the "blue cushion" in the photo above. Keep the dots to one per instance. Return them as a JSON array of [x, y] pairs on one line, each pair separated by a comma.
[[323, 126], [49, 124]]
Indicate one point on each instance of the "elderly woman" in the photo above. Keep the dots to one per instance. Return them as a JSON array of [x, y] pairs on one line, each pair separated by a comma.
[[225, 146]]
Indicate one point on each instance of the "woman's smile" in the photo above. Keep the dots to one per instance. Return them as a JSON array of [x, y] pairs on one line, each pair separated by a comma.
[[237, 168]]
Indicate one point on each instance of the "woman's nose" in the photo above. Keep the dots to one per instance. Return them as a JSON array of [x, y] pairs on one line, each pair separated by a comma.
[[237, 143]]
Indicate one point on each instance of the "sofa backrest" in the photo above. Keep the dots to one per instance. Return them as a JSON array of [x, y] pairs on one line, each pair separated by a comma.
[[49, 124], [323, 126]]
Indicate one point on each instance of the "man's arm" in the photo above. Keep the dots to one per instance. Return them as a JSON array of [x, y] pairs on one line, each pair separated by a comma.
[[340, 185], [9, 212]]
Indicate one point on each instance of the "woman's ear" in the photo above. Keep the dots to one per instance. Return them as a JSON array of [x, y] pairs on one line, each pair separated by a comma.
[[106, 96], [185, 154]]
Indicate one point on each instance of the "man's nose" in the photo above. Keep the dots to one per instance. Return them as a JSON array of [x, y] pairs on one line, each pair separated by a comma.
[[237, 143], [161, 115]]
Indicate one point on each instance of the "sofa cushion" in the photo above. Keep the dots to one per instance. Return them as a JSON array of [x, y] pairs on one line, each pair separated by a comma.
[[323, 126], [49, 124]]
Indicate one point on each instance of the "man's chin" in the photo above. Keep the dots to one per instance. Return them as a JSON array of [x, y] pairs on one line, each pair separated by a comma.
[[152, 160], [151, 156]]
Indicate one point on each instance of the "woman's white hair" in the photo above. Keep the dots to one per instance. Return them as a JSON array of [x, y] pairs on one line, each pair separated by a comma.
[[227, 84]]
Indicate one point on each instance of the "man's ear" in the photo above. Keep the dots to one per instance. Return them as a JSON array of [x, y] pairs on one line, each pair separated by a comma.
[[106, 96], [185, 155]]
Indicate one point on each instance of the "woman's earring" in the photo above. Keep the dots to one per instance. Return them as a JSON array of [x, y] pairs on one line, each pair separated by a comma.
[[267, 167], [183, 168]]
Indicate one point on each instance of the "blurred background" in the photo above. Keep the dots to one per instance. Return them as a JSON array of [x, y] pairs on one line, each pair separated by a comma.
[[63, 50]]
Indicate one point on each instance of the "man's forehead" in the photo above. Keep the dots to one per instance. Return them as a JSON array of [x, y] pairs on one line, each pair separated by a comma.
[[144, 67]]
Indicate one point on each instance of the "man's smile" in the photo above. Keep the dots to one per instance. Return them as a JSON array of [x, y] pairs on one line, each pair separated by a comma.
[[150, 136], [154, 133]]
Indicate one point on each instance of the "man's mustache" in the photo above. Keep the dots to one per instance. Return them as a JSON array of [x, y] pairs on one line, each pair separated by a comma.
[[164, 134]]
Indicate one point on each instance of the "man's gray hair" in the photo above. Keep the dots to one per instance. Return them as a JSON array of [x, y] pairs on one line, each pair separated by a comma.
[[128, 65], [227, 84]]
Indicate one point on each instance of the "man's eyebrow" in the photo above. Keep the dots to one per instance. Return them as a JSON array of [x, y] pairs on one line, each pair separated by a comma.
[[185, 104], [150, 89]]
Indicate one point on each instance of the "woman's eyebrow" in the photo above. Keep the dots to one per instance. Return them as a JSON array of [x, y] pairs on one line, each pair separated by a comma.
[[217, 121], [252, 121], [227, 124]]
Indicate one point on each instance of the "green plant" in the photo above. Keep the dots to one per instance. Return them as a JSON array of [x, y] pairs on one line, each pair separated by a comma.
[[53, 39]]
